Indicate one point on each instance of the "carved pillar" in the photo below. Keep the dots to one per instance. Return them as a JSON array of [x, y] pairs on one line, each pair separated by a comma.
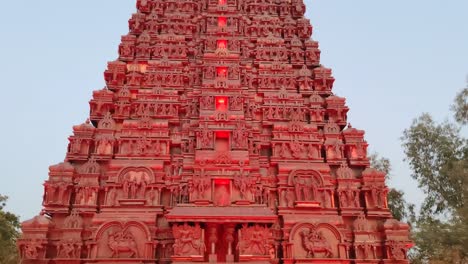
[[213, 238], [230, 240]]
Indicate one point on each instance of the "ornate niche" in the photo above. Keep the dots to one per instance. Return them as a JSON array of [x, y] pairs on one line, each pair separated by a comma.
[[118, 240], [133, 186], [58, 189], [309, 190], [312, 243], [367, 244]]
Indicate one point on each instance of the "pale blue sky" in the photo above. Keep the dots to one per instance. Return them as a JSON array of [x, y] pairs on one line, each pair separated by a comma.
[[392, 61]]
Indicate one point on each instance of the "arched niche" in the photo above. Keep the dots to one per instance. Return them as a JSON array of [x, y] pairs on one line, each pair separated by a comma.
[[137, 174], [312, 175], [315, 241], [117, 240]]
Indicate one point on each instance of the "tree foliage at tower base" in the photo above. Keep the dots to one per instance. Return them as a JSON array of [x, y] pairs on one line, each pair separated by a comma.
[[9, 224], [437, 154]]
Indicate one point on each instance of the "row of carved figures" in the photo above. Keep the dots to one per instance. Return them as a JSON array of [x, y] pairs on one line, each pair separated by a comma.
[[195, 240], [141, 189]]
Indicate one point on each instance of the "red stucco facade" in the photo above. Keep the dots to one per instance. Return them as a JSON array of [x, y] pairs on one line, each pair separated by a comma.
[[217, 139]]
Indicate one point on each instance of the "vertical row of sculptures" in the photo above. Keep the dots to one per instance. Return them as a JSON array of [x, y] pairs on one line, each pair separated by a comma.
[[216, 104]]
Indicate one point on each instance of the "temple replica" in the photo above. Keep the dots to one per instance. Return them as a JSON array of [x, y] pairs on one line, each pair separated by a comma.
[[217, 139]]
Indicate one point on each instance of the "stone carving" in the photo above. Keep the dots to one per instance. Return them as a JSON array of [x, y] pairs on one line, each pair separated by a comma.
[[199, 185], [344, 172], [361, 224], [73, 221], [254, 240], [349, 197], [30, 250], [189, 240], [86, 195], [243, 183], [306, 189], [68, 249], [315, 243], [135, 183], [205, 137], [290, 197], [122, 242], [90, 167], [240, 136], [203, 99]]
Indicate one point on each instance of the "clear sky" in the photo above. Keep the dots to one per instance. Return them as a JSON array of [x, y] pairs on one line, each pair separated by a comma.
[[392, 61]]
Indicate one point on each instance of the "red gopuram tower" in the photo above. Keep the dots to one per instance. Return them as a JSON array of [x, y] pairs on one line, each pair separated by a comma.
[[216, 139]]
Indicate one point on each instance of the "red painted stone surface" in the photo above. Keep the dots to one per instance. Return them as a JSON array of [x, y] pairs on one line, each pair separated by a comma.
[[217, 139]]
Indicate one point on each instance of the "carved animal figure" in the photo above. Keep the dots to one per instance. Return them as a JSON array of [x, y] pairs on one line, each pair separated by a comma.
[[313, 242], [120, 242]]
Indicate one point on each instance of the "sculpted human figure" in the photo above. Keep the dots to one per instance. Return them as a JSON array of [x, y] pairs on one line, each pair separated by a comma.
[[62, 188], [243, 183], [307, 190], [253, 240], [50, 193], [67, 250], [135, 183], [122, 242], [76, 146], [343, 199], [188, 240], [290, 197], [315, 243], [298, 183], [31, 250], [111, 197]]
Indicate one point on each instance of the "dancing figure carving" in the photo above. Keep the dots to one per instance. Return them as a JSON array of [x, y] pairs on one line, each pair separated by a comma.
[[188, 240]]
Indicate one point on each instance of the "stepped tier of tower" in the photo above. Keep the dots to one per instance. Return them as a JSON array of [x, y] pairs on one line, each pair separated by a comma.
[[216, 139]]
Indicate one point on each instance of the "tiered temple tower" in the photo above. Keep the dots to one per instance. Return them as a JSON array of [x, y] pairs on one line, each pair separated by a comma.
[[217, 139]]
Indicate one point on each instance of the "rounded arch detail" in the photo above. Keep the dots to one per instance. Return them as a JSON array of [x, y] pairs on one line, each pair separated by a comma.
[[313, 174]]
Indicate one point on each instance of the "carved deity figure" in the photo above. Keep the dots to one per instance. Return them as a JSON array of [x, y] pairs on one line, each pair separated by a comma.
[[31, 250], [240, 136], [74, 220], [253, 240], [205, 137], [344, 172], [200, 185], [135, 183], [189, 240], [104, 147], [306, 189], [243, 183], [111, 197], [289, 198], [297, 149], [315, 244], [122, 242], [68, 250]]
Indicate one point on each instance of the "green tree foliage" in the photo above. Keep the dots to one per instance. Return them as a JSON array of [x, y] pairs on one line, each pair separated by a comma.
[[401, 210], [437, 154], [460, 107], [9, 225]]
